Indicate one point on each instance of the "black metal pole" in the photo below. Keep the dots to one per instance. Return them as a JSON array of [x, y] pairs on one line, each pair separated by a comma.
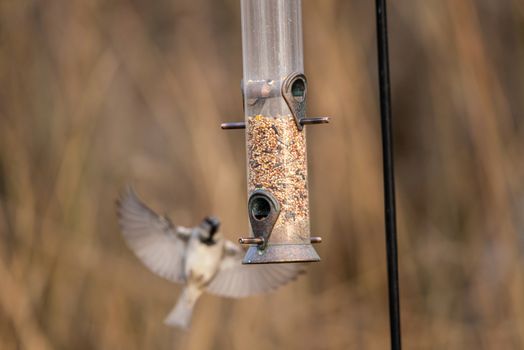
[[389, 178]]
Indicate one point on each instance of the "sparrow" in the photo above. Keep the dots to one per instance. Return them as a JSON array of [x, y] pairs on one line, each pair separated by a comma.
[[199, 258]]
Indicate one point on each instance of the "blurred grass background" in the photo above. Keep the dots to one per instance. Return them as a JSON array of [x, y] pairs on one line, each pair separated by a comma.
[[97, 94]]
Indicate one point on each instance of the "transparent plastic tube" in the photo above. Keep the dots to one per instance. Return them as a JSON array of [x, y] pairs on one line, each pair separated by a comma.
[[276, 147], [272, 49]]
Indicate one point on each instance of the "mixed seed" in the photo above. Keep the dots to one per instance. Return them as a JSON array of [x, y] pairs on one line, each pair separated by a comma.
[[277, 163]]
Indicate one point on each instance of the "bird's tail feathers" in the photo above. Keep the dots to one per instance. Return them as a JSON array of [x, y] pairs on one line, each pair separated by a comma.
[[181, 314]]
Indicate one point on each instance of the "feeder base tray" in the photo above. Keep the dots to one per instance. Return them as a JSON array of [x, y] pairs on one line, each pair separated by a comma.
[[281, 253]]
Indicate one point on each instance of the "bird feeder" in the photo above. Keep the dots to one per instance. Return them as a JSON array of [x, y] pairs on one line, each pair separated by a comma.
[[274, 91]]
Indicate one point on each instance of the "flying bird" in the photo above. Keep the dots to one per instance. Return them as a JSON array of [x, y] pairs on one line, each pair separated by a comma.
[[199, 258]]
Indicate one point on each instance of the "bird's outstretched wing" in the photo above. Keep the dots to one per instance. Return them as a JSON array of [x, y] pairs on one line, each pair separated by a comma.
[[235, 280], [152, 237]]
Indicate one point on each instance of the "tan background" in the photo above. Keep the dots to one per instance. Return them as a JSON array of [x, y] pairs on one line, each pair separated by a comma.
[[96, 94]]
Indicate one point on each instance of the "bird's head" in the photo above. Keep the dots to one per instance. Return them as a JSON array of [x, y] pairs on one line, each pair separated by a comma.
[[210, 226]]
